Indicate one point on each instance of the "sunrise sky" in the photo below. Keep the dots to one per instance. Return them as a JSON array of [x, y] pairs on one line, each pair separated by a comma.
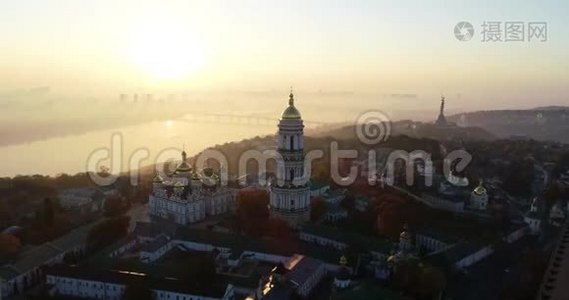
[[65, 64], [92, 47]]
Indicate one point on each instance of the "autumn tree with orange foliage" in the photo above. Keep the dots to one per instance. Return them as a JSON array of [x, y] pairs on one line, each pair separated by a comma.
[[389, 215], [317, 208], [9, 245], [253, 211]]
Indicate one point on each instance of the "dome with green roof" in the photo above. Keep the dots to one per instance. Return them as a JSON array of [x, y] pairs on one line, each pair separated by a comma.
[[183, 167], [158, 179], [291, 113], [479, 190]]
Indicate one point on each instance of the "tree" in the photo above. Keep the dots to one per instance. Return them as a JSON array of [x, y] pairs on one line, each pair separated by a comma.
[[71, 258], [431, 282], [113, 207], [519, 178], [552, 194], [253, 211], [107, 232], [317, 208], [5, 213], [48, 212], [9, 245], [279, 229], [196, 270], [348, 203], [137, 289], [389, 217]]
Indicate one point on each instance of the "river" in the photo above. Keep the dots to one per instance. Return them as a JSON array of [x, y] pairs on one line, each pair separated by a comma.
[[70, 154]]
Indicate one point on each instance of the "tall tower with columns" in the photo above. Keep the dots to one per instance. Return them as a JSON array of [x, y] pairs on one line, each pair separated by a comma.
[[290, 198]]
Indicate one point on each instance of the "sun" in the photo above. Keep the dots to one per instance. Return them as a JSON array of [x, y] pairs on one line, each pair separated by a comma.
[[166, 51]]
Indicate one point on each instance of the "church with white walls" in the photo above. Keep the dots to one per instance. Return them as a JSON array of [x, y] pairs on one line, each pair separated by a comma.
[[188, 196]]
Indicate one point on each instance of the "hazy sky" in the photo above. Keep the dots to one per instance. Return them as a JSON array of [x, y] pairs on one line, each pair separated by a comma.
[[105, 47], [59, 61]]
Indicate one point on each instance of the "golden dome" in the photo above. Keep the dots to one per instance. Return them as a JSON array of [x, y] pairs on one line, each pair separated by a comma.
[[479, 190], [158, 179], [291, 113], [179, 185], [405, 235], [395, 258], [184, 167]]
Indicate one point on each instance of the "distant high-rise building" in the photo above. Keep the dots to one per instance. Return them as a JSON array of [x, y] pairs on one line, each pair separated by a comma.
[[123, 97], [290, 198]]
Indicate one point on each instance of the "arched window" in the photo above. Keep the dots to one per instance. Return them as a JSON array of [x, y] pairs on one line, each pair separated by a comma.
[[291, 142], [291, 174]]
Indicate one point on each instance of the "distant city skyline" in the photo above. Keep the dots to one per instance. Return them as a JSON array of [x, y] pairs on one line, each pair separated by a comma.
[[365, 47], [64, 68]]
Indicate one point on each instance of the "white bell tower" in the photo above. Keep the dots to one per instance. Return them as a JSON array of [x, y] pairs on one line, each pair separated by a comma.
[[290, 199]]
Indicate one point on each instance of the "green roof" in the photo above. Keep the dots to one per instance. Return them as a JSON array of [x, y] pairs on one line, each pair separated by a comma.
[[39, 255], [8, 272], [335, 208], [74, 238], [455, 253], [240, 243], [34, 258], [316, 185], [440, 235], [367, 289], [361, 197], [106, 252], [350, 238]]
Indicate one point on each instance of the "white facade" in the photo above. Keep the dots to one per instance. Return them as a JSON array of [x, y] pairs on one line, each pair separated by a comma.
[[290, 198], [429, 243], [444, 204], [187, 197], [106, 289], [83, 199], [319, 191], [76, 287], [533, 219], [336, 214], [29, 274], [322, 241], [473, 258], [557, 214]]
